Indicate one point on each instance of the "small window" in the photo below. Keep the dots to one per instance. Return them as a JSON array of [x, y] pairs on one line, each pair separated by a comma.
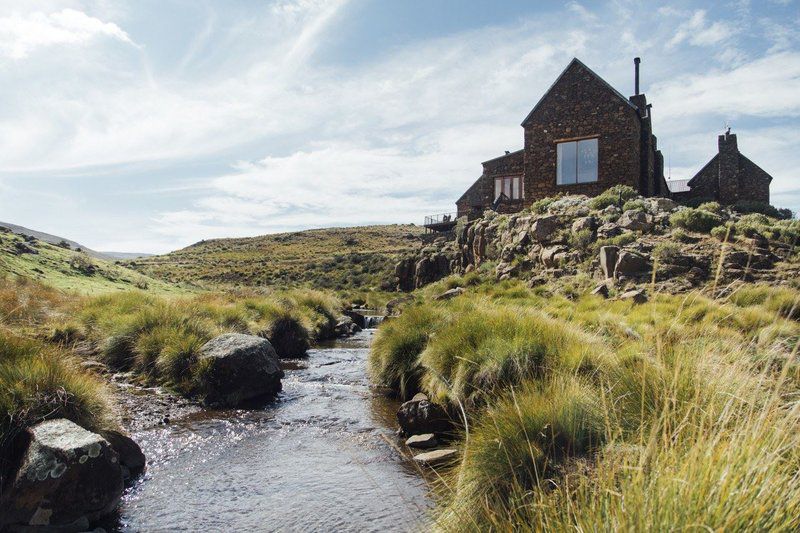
[[511, 186], [576, 162]]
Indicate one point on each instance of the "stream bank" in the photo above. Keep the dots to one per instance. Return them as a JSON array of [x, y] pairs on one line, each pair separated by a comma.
[[321, 456]]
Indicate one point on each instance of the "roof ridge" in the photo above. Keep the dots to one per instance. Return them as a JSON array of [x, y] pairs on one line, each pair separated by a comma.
[[593, 73]]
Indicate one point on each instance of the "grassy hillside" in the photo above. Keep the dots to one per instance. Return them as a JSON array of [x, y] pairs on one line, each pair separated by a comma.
[[334, 258], [71, 270]]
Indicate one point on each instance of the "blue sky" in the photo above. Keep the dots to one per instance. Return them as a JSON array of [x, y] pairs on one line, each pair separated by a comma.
[[147, 125]]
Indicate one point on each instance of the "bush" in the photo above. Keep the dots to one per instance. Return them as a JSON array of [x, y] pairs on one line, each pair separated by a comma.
[[711, 207], [724, 233], [634, 205], [667, 251], [581, 240], [695, 220], [539, 207], [616, 195]]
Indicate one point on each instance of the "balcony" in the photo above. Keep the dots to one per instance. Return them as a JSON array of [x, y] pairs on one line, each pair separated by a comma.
[[440, 223]]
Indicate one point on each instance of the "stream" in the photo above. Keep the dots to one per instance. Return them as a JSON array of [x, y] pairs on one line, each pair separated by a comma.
[[322, 456]]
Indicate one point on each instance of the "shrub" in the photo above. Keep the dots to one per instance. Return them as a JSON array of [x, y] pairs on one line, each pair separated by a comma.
[[634, 205], [581, 240], [83, 264], [616, 195], [711, 207], [724, 233], [539, 207], [667, 251], [695, 220]]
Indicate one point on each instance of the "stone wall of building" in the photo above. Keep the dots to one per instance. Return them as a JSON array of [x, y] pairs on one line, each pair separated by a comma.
[[753, 182], [582, 105]]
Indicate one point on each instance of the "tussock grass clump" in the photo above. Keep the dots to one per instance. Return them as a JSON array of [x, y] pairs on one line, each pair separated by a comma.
[[488, 348], [39, 382], [160, 339], [394, 357], [781, 300]]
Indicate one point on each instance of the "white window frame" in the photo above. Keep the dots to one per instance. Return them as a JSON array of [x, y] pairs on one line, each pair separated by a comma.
[[511, 185]]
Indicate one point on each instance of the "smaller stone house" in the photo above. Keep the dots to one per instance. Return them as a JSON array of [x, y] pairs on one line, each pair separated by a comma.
[[728, 178]]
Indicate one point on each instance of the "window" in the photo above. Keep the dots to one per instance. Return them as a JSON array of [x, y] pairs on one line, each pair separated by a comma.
[[511, 186], [577, 162]]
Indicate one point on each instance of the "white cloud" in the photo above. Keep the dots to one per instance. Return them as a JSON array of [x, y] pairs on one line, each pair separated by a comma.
[[698, 32], [21, 35], [765, 87]]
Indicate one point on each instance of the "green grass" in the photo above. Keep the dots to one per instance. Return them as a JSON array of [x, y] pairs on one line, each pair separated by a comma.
[[40, 382], [341, 259], [593, 414], [698, 220], [70, 270]]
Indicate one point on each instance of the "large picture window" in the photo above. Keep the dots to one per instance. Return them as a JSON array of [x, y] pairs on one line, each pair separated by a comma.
[[577, 162], [511, 186]]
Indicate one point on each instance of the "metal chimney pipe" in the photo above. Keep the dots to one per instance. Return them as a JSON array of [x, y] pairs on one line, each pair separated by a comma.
[[636, 62]]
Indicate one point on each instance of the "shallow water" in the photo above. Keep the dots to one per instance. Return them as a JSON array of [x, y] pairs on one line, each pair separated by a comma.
[[320, 457]]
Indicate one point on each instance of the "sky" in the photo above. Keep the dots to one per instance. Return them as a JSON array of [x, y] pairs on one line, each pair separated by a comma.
[[148, 125]]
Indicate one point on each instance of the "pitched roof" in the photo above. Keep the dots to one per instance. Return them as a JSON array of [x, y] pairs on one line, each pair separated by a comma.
[[509, 154], [578, 62], [713, 160], [469, 189]]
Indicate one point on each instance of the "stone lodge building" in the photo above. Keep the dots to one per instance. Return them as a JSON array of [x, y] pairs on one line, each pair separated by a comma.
[[583, 137]]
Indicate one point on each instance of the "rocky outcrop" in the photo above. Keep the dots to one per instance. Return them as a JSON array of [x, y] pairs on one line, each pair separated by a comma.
[[566, 239], [68, 478], [422, 416], [237, 367]]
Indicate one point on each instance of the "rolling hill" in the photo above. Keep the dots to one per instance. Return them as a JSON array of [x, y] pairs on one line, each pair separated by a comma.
[[333, 258], [69, 269]]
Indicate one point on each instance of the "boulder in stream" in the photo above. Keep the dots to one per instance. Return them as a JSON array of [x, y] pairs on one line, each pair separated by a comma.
[[236, 367], [418, 417], [68, 477]]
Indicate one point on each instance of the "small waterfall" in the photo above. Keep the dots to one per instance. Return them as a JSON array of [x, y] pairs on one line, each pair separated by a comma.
[[371, 322]]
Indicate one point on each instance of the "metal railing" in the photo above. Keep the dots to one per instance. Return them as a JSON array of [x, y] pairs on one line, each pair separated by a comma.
[[441, 218]]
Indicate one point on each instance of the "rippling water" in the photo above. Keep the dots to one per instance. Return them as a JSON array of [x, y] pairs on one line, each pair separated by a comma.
[[321, 457]]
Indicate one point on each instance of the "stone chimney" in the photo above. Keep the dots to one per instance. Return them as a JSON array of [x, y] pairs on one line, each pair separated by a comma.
[[728, 160]]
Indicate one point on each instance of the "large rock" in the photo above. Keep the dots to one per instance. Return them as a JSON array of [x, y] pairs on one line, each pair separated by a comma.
[[238, 367], [630, 264], [553, 256], [661, 204], [543, 229], [608, 260], [633, 220], [131, 457], [68, 477], [417, 417], [288, 337], [450, 294], [584, 224]]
